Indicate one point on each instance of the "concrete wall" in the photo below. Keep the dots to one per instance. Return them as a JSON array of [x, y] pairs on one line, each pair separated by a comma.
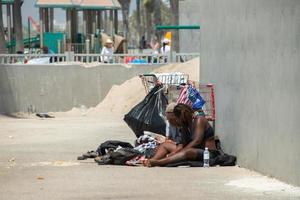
[[59, 87], [251, 50]]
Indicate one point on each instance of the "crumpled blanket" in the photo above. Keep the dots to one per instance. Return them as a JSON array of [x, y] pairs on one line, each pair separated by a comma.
[[147, 144]]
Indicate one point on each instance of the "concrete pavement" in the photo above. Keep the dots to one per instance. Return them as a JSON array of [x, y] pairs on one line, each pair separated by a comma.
[[38, 161]]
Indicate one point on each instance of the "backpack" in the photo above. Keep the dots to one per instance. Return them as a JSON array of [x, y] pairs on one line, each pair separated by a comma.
[[223, 159]]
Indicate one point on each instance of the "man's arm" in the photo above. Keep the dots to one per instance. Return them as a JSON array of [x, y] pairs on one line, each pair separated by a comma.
[[198, 135], [179, 147]]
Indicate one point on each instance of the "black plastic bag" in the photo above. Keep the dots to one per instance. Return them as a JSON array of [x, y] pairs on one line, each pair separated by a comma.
[[118, 157], [149, 114], [122, 155]]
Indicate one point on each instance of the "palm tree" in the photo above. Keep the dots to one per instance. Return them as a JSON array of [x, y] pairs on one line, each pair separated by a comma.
[[125, 4], [149, 8], [18, 25], [2, 37], [138, 19], [175, 20], [157, 17]]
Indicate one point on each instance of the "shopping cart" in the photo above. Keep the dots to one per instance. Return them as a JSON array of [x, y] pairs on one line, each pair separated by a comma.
[[167, 79], [173, 84]]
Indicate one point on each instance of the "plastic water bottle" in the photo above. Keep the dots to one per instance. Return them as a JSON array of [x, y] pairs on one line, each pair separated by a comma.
[[206, 158]]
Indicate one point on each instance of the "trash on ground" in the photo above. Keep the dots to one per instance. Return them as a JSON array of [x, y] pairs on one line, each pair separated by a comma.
[[40, 178], [44, 115]]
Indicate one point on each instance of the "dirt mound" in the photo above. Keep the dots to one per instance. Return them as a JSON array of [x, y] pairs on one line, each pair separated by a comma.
[[121, 98]]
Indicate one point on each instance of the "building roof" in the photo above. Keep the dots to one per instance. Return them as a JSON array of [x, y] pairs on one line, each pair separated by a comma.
[[79, 4], [7, 1]]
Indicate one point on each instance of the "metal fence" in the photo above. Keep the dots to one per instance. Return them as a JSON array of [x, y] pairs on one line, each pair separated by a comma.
[[91, 58], [32, 58], [76, 47]]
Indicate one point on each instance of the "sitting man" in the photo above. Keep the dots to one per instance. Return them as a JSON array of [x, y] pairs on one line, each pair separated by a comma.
[[172, 132]]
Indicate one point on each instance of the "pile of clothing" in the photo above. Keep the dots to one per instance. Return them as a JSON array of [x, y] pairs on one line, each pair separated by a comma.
[[116, 152], [113, 152]]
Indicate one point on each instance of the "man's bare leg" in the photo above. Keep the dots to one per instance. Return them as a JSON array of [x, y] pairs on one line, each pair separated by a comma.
[[163, 150], [190, 154]]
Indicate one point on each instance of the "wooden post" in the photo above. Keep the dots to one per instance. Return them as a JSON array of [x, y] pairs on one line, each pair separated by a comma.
[[64, 43], [105, 21], [58, 46], [74, 25], [93, 19], [41, 28], [51, 16], [116, 21], [8, 9], [92, 43], [88, 22], [68, 25], [84, 15], [111, 23], [46, 14], [87, 46], [99, 20]]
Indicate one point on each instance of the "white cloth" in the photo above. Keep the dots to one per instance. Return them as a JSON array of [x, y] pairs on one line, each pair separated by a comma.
[[106, 54], [166, 50], [45, 60]]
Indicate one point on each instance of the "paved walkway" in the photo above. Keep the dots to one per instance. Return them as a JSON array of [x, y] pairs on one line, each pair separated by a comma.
[[38, 161]]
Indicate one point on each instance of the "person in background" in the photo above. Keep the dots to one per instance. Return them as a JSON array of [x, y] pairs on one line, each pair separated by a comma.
[[166, 48], [46, 50], [155, 50], [143, 43], [155, 46], [107, 51]]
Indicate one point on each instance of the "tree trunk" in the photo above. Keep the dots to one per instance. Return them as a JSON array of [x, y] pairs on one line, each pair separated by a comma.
[[18, 26], [116, 22], [138, 20], [175, 20], [149, 7], [148, 25], [2, 37], [157, 18], [125, 14]]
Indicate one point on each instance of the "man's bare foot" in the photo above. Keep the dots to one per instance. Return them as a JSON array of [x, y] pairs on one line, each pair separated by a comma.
[[150, 163]]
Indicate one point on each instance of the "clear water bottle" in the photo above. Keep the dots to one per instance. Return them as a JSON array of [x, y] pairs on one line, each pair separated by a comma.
[[206, 158]]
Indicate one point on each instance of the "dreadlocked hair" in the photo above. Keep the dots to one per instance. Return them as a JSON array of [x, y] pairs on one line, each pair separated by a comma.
[[184, 113]]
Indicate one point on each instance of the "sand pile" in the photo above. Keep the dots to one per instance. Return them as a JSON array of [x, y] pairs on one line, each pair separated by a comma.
[[121, 98]]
